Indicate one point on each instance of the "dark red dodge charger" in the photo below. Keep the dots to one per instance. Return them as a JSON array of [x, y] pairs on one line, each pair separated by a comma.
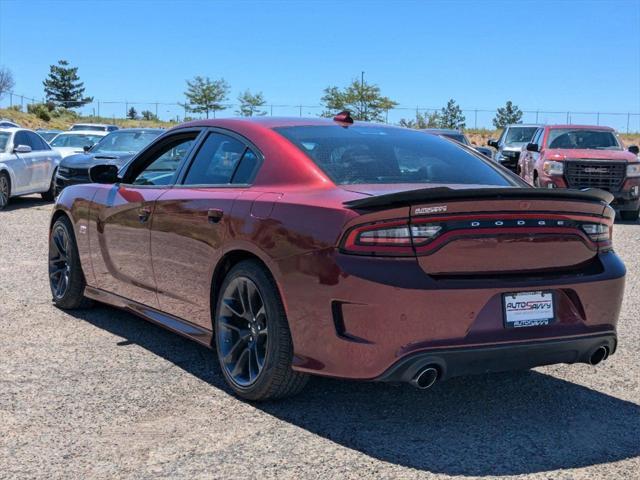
[[351, 250]]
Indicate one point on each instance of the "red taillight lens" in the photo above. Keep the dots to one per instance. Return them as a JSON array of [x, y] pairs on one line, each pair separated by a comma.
[[388, 238], [600, 234]]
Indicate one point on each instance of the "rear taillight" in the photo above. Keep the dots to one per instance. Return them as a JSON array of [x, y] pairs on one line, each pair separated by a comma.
[[600, 234], [388, 238]]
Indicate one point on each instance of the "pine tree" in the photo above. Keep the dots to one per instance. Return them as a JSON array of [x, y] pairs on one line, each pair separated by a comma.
[[63, 86], [452, 117], [507, 115], [132, 113]]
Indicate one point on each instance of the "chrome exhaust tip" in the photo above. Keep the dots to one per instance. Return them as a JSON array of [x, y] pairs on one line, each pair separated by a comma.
[[425, 378], [599, 354]]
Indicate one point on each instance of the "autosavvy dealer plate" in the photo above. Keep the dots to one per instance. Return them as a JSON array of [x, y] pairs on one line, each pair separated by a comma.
[[528, 309]]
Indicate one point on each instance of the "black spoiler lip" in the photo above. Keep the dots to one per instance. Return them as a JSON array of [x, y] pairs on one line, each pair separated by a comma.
[[424, 195]]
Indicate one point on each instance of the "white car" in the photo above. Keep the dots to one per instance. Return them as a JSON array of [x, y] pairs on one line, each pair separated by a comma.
[[27, 165], [70, 143], [99, 127]]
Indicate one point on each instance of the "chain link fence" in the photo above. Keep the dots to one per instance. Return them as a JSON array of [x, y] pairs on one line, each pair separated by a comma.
[[475, 118]]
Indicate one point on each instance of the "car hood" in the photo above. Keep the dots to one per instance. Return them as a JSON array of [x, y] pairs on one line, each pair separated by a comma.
[[85, 160], [68, 151], [514, 147], [560, 154], [371, 189]]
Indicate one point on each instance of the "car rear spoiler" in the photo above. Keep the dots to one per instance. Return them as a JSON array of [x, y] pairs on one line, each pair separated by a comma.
[[437, 194]]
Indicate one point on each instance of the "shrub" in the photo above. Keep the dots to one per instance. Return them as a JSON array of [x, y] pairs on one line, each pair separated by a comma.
[[40, 110]]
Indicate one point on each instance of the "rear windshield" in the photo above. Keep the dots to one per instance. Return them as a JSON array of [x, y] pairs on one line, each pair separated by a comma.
[[582, 138], [356, 155]]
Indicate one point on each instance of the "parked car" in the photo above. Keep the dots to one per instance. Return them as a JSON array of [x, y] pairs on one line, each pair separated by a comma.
[[48, 135], [510, 143], [77, 141], [584, 156], [351, 250], [4, 123], [99, 127], [116, 148], [27, 165], [459, 136]]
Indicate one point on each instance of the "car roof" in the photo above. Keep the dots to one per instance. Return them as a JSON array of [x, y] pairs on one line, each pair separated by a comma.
[[517, 125], [138, 129], [94, 124], [84, 132], [581, 127], [451, 131]]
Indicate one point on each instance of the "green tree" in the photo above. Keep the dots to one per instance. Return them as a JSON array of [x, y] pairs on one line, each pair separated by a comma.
[[132, 113], [63, 86], [148, 115], [205, 95], [364, 101], [428, 120], [251, 104], [6, 81], [451, 116], [507, 115]]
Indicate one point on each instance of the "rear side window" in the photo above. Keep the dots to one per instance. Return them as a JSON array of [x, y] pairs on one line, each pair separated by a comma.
[[218, 160], [358, 154]]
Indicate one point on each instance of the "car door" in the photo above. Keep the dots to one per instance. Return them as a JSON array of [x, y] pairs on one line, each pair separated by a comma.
[[192, 220], [124, 214], [22, 164], [43, 162]]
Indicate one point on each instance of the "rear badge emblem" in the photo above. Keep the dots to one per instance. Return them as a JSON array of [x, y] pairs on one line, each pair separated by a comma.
[[427, 210]]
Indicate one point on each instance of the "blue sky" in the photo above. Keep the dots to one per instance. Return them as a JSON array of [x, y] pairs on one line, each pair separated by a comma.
[[558, 56]]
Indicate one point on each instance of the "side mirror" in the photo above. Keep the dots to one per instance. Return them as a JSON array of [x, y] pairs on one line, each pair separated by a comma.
[[103, 174], [492, 143], [634, 149], [86, 148], [533, 147], [22, 149]]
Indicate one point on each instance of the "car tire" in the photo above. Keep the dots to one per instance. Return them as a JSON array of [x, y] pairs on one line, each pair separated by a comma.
[[630, 215], [50, 195], [536, 180], [66, 278], [5, 189], [252, 337]]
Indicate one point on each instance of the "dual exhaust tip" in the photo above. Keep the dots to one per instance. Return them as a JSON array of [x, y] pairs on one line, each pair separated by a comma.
[[427, 376]]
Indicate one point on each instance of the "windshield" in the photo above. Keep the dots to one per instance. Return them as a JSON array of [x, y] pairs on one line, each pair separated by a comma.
[[583, 139], [48, 135], [125, 142], [75, 141], [97, 128], [4, 139], [519, 134], [357, 155]]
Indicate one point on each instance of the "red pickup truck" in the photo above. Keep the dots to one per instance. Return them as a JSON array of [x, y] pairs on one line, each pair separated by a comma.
[[583, 156]]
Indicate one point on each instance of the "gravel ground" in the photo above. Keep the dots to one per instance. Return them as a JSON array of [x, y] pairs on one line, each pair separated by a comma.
[[102, 394]]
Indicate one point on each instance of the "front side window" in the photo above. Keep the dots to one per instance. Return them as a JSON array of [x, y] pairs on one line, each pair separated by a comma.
[[161, 168], [582, 139], [21, 138], [37, 142], [357, 155], [216, 161]]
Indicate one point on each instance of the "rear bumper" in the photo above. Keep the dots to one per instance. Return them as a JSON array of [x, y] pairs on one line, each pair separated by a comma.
[[361, 316], [498, 358]]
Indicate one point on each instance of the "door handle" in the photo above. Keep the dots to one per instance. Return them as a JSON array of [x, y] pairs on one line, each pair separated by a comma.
[[143, 214], [214, 215]]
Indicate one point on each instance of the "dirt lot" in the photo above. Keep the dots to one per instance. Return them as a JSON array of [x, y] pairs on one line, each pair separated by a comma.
[[102, 394]]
